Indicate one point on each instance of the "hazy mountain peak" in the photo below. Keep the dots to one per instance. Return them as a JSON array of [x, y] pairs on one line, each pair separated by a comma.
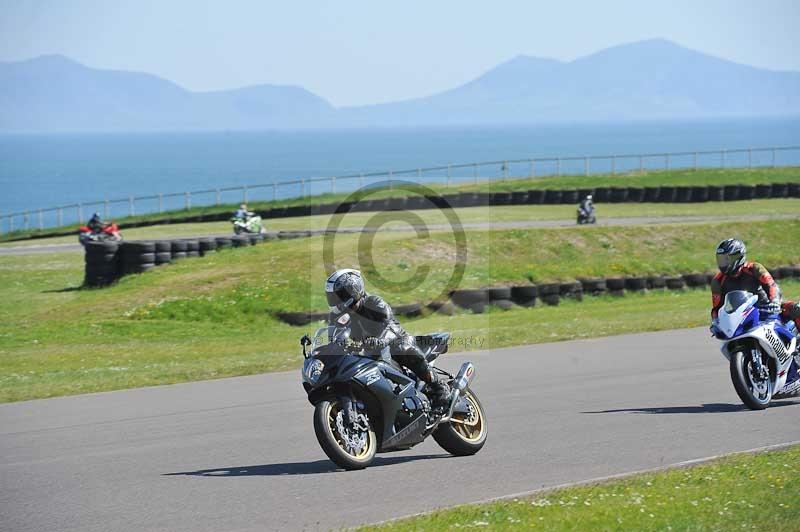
[[651, 79]]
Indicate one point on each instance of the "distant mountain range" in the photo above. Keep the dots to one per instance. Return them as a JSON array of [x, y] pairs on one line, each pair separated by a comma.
[[654, 79]]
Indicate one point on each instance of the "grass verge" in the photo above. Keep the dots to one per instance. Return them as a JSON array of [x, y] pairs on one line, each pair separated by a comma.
[[214, 316], [472, 215], [700, 177], [757, 491]]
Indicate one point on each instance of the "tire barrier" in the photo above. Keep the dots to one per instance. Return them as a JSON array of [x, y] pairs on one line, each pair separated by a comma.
[[763, 191], [508, 297], [524, 295], [747, 192], [108, 261], [616, 286], [102, 266], [552, 197], [665, 194], [635, 195]]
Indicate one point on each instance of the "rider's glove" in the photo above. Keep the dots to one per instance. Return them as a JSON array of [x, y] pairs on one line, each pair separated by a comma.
[[772, 307]]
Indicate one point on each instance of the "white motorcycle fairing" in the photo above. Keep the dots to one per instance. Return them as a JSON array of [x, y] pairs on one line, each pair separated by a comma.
[[729, 320]]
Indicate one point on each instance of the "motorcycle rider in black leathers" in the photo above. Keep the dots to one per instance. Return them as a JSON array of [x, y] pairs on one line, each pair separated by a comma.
[[373, 323]]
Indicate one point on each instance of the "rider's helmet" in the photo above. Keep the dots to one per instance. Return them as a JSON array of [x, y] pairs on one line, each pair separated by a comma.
[[344, 289], [243, 206], [589, 197], [95, 217], [731, 256]]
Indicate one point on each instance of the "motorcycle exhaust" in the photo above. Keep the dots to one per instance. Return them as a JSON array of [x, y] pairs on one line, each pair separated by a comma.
[[464, 376], [460, 383]]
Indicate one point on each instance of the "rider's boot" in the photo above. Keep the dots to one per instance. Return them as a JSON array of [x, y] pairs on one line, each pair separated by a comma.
[[437, 391]]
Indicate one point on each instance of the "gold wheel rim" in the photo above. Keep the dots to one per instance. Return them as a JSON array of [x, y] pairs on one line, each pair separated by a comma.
[[472, 428], [333, 412]]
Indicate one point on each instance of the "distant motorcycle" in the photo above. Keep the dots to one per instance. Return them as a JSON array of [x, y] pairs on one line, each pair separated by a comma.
[[368, 404], [109, 233], [761, 350], [586, 216], [251, 224]]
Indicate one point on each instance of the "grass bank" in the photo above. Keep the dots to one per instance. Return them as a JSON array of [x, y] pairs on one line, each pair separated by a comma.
[[647, 179], [213, 316], [742, 492]]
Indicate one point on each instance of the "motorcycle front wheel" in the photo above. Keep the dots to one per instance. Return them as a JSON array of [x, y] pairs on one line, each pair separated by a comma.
[[347, 448], [464, 435], [754, 391]]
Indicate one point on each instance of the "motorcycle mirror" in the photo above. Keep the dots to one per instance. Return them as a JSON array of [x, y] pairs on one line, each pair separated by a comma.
[[305, 340]]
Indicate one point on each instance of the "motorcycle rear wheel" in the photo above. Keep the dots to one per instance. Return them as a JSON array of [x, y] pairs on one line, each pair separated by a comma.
[[741, 364], [464, 436], [333, 443]]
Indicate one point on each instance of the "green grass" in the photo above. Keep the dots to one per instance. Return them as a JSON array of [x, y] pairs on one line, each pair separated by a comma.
[[742, 492], [490, 215], [657, 178], [213, 316]]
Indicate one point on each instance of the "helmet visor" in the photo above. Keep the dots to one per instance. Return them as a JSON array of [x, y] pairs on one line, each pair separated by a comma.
[[726, 262], [336, 304]]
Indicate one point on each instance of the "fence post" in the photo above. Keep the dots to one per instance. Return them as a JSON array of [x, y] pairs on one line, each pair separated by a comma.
[[449, 175], [60, 216], [333, 184], [391, 176], [475, 172], [303, 188], [80, 212], [749, 157], [10, 223], [641, 164], [585, 166], [613, 165], [505, 170], [773, 157], [361, 180], [41, 220], [188, 198], [274, 191], [695, 160], [244, 194], [161, 202], [131, 208], [27, 220], [558, 167], [533, 167], [666, 161], [723, 158], [105, 209]]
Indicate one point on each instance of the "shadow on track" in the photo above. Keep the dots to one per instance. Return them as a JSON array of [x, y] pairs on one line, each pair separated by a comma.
[[298, 468], [711, 408]]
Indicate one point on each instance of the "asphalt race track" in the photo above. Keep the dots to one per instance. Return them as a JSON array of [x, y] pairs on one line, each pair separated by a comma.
[[32, 248], [240, 453]]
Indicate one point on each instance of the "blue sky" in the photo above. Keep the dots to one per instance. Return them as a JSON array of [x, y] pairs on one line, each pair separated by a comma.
[[360, 52]]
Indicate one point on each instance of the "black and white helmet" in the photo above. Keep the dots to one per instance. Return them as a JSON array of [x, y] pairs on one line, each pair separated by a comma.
[[344, 289], [731, 256]]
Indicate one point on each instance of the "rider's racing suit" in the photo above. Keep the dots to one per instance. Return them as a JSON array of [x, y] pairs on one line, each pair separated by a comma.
[[753, 278], [373, 322]]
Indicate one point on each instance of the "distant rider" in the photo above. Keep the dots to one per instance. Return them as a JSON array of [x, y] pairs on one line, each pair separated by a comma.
[[586, 205], [96, 224], [373, 323], [735, 273], [242, 213]]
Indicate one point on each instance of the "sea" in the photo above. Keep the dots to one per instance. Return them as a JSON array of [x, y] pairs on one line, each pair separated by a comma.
[[45, 171]]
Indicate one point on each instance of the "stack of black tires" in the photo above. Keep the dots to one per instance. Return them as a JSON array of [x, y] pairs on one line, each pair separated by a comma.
[[102, 267], [137, 257]]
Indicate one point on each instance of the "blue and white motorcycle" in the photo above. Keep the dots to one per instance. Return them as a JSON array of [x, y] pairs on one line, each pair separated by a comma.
[[761, 349]]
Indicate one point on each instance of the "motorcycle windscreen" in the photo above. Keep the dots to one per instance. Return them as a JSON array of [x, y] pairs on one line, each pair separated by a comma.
[[735, 300]]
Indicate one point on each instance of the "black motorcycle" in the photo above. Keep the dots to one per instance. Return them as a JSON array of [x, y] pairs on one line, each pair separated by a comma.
[[366, 403], [586, 216]]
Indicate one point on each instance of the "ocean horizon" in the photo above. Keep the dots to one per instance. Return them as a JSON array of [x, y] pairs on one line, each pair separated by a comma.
[[39, 171]]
